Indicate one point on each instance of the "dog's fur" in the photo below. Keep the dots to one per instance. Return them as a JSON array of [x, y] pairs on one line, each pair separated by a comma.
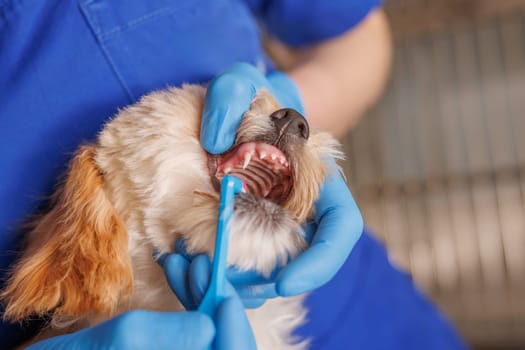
[[143, 184]]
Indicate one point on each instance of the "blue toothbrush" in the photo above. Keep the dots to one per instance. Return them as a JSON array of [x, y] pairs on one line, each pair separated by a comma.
[[216, 293]]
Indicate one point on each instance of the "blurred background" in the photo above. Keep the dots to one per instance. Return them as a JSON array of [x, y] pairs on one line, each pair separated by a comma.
[[438, 165]]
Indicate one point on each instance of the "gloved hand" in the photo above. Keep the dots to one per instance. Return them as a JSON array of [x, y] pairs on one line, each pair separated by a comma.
[[139, 330], [169, 330], [338, 221], [189, 281], [229, 95]]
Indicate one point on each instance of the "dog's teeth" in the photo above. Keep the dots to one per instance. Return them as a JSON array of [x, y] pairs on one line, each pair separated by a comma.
[[273, 156], [282, 160], [227, 170], [262, 155], [247, 158]]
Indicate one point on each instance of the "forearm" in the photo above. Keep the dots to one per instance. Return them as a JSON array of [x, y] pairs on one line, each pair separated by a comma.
[[341, 78]]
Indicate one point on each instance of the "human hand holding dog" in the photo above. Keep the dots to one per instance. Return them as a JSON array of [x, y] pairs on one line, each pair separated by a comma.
[[189, 280], [338, 221], [229, 96], [191, 330]]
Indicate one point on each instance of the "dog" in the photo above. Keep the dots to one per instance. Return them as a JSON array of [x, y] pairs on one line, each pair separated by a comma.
[[147, 182]]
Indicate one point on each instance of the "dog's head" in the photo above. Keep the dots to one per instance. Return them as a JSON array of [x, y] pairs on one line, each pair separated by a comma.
[[147, 182], [281, 164]]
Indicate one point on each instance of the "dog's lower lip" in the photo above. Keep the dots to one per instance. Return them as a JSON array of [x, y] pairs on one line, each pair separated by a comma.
[[264, 169]]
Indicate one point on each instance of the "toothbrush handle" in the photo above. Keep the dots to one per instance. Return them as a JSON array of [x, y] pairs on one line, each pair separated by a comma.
[[230, 186]]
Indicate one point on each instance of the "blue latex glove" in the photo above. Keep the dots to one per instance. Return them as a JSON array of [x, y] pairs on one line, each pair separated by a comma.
[[169, 330], [139, 330], [189, 281], [229, 95], [338, 221]]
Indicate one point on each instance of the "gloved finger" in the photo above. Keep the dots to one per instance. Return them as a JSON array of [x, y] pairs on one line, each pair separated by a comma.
[[340, 225], [285, 90], [247, 278], [180, 248], [233, 329], [228, 97], [156, 330], [253, 303], [258, 291], [140, 329], [176, 271], [199, 278]]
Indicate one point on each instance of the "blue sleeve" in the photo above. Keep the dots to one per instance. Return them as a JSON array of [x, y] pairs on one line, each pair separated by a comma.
[[372, 305], [299, 23]]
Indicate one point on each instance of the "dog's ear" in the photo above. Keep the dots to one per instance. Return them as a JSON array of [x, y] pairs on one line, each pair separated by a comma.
[[76, 262]]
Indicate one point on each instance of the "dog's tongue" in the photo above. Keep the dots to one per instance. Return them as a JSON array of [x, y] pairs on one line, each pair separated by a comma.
[[263, 168]]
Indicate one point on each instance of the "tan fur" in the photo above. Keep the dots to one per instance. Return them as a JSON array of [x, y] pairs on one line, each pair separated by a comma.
[[142, 185], [76, 261]]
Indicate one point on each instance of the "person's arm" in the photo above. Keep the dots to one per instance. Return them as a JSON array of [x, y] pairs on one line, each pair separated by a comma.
[[339, 79]]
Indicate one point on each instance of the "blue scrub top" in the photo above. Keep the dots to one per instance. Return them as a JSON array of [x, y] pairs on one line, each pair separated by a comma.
[[66, 66]]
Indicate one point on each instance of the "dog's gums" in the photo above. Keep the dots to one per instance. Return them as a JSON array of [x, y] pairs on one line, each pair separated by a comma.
[[264, 169]]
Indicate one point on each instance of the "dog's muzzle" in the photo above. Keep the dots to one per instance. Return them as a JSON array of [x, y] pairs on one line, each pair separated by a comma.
[[264, 164]]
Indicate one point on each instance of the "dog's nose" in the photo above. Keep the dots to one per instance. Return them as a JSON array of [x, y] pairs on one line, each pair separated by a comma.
[[289, 121]]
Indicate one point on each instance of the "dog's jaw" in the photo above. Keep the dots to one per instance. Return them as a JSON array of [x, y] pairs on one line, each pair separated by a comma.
[[262, 235]]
